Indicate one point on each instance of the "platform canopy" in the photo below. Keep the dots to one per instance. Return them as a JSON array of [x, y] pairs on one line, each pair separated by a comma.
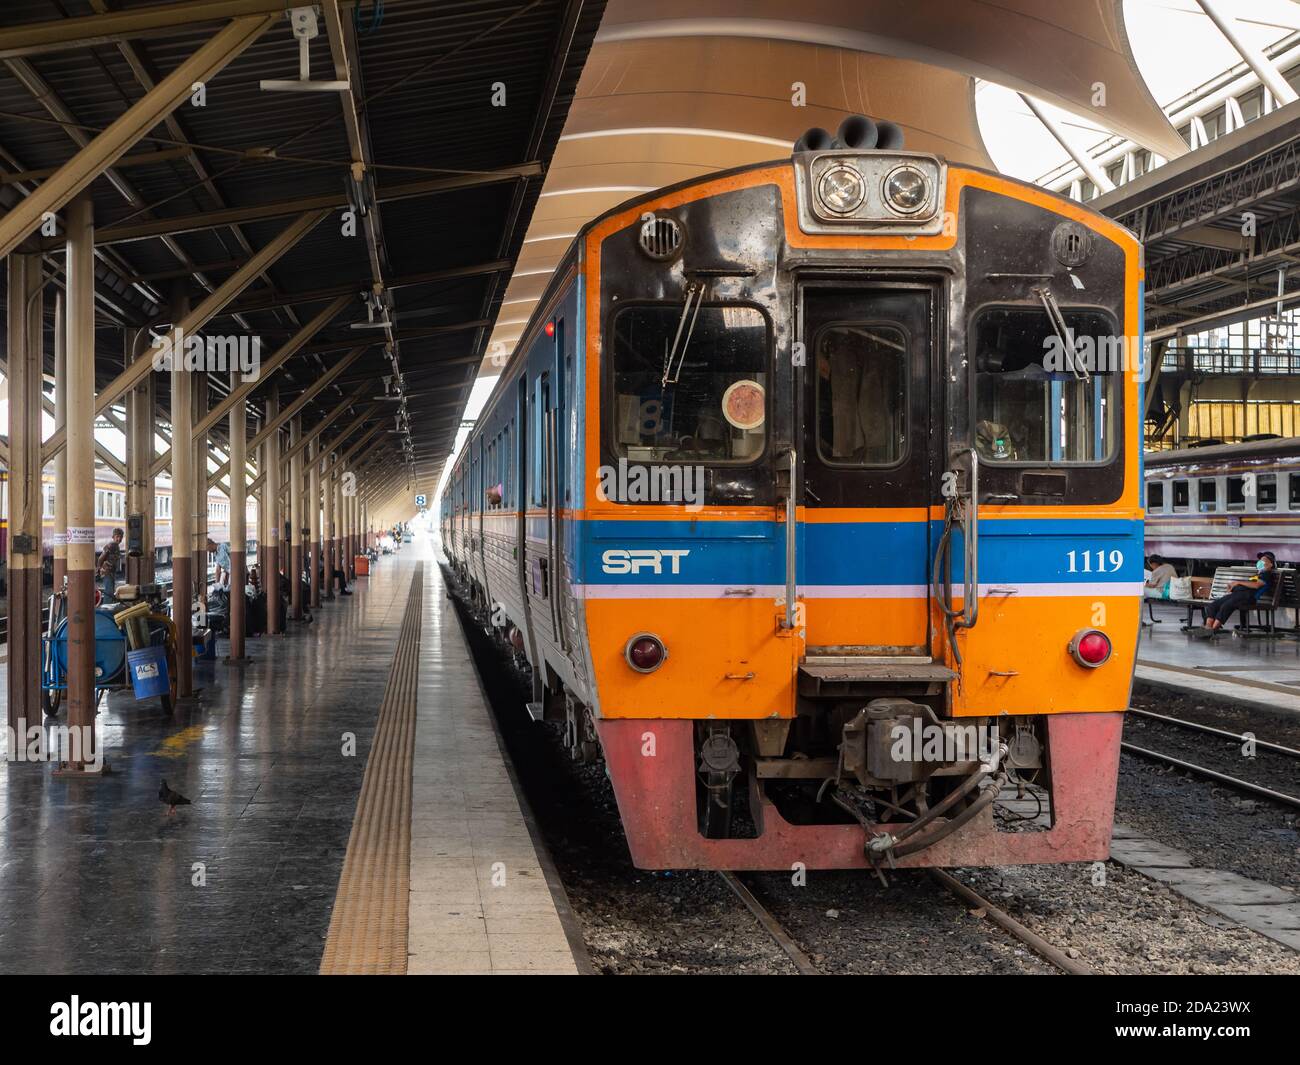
[[433, 122], [675, 89]]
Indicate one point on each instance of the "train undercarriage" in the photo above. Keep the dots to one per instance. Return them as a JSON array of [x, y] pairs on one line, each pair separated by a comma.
[[865, 775]]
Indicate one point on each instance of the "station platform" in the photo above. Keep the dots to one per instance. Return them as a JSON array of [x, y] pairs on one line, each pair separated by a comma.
[[352, 812], [1259, 670]]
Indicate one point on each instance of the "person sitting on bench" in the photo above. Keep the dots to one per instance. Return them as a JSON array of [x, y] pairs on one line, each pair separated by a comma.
[[1161, 573], [1241, 594]]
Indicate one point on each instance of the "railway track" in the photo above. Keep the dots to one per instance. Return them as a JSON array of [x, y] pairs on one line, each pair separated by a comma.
[[805, 966], [802, 963], [1207, 773], [1213, 774]]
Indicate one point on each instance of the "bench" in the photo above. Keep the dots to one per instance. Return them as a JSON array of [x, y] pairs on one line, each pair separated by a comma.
[[1284, 596]]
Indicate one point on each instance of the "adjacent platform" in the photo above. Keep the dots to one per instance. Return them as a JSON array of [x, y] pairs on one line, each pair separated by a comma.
[[95, 877], [1259, 670]]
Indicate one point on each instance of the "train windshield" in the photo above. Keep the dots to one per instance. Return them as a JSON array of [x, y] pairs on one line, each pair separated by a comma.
[[862, 370], [1034, 402], [690, 388]]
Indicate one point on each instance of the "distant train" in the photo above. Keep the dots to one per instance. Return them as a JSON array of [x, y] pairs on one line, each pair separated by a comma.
[[1208, 506], [110, 514]]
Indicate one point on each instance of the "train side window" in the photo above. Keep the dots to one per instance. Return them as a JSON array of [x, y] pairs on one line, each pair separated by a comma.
[[1207, 491], [1236, 493], [1182, 495], [710, 404], [1266, 491], [1293, 490], [538, 494], [1033, 403], [1155, 495]]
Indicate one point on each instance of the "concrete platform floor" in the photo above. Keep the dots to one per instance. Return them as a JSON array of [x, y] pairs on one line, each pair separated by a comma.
[[96, 878], [1257, 669]]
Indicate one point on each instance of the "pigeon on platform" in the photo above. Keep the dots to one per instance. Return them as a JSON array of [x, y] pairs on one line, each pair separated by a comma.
[[173, 799]]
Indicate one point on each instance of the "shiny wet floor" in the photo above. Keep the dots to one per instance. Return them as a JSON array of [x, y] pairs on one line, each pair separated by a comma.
[[1275, 659], [96, 877]]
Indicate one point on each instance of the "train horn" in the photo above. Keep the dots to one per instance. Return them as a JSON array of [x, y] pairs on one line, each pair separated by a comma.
[[857, 131], [889, 136], [814, 140]]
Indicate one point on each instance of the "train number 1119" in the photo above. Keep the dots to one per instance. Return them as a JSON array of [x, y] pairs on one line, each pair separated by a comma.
[[1106, 561]]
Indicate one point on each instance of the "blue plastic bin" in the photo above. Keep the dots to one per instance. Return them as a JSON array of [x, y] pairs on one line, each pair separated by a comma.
[[148, 668], [205, 644]]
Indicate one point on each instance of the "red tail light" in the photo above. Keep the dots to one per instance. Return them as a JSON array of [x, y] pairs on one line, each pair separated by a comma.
[[645, 652], [1090, 648]]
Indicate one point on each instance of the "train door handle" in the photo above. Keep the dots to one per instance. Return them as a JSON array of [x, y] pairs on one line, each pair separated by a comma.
[[790, 542]]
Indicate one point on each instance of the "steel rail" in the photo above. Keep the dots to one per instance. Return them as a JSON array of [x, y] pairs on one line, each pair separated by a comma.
[[1213, 774], [1276, 748], [802, 963], [1007, 923]]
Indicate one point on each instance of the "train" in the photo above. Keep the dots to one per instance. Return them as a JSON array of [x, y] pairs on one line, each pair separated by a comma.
[[806, 503], [110, 514], [1221, 504]]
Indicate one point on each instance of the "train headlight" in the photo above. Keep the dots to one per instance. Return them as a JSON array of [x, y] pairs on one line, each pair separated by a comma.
[[842, 189], [645, 652], [906, 189], [1090, 648]]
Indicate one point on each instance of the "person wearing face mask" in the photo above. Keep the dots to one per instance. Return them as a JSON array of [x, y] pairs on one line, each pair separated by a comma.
[[1242, 594]]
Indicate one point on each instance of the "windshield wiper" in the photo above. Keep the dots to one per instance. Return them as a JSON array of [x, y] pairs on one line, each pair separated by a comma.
[[696, 293], [1062, 331]]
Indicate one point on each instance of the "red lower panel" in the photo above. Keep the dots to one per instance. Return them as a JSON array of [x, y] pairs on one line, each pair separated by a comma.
[[656, 799]]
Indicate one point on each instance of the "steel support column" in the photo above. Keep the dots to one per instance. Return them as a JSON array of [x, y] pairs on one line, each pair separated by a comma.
[[25, 494], [313, 520], [271, 496], [80, 275], [238, 523], [295, 525], [199, 386], [327, 525], [60, 533], [140, 425], [183, 496], [352, 530]]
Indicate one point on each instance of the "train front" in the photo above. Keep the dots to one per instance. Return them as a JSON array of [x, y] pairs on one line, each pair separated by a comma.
[[861, 539]]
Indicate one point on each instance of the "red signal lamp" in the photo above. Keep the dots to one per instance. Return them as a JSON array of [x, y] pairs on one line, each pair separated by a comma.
[[645, 652], [1090, 648]]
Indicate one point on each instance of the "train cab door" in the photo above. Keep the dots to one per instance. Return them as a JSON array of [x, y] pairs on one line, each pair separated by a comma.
[[864, 557]]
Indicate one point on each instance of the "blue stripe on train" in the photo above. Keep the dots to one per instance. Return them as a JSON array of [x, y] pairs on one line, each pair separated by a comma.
[[1019, 550]]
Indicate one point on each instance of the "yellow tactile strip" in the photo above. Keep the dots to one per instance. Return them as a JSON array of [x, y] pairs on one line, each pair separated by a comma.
[[368, 928]]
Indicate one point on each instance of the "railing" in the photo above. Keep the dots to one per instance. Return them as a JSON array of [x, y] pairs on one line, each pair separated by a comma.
[[1281, 363]]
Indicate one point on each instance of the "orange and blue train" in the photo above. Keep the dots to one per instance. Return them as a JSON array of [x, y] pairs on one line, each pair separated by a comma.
[[810, 500]]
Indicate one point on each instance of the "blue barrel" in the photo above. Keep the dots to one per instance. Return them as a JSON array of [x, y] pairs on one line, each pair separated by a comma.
[[148, 667], [110, 649]]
